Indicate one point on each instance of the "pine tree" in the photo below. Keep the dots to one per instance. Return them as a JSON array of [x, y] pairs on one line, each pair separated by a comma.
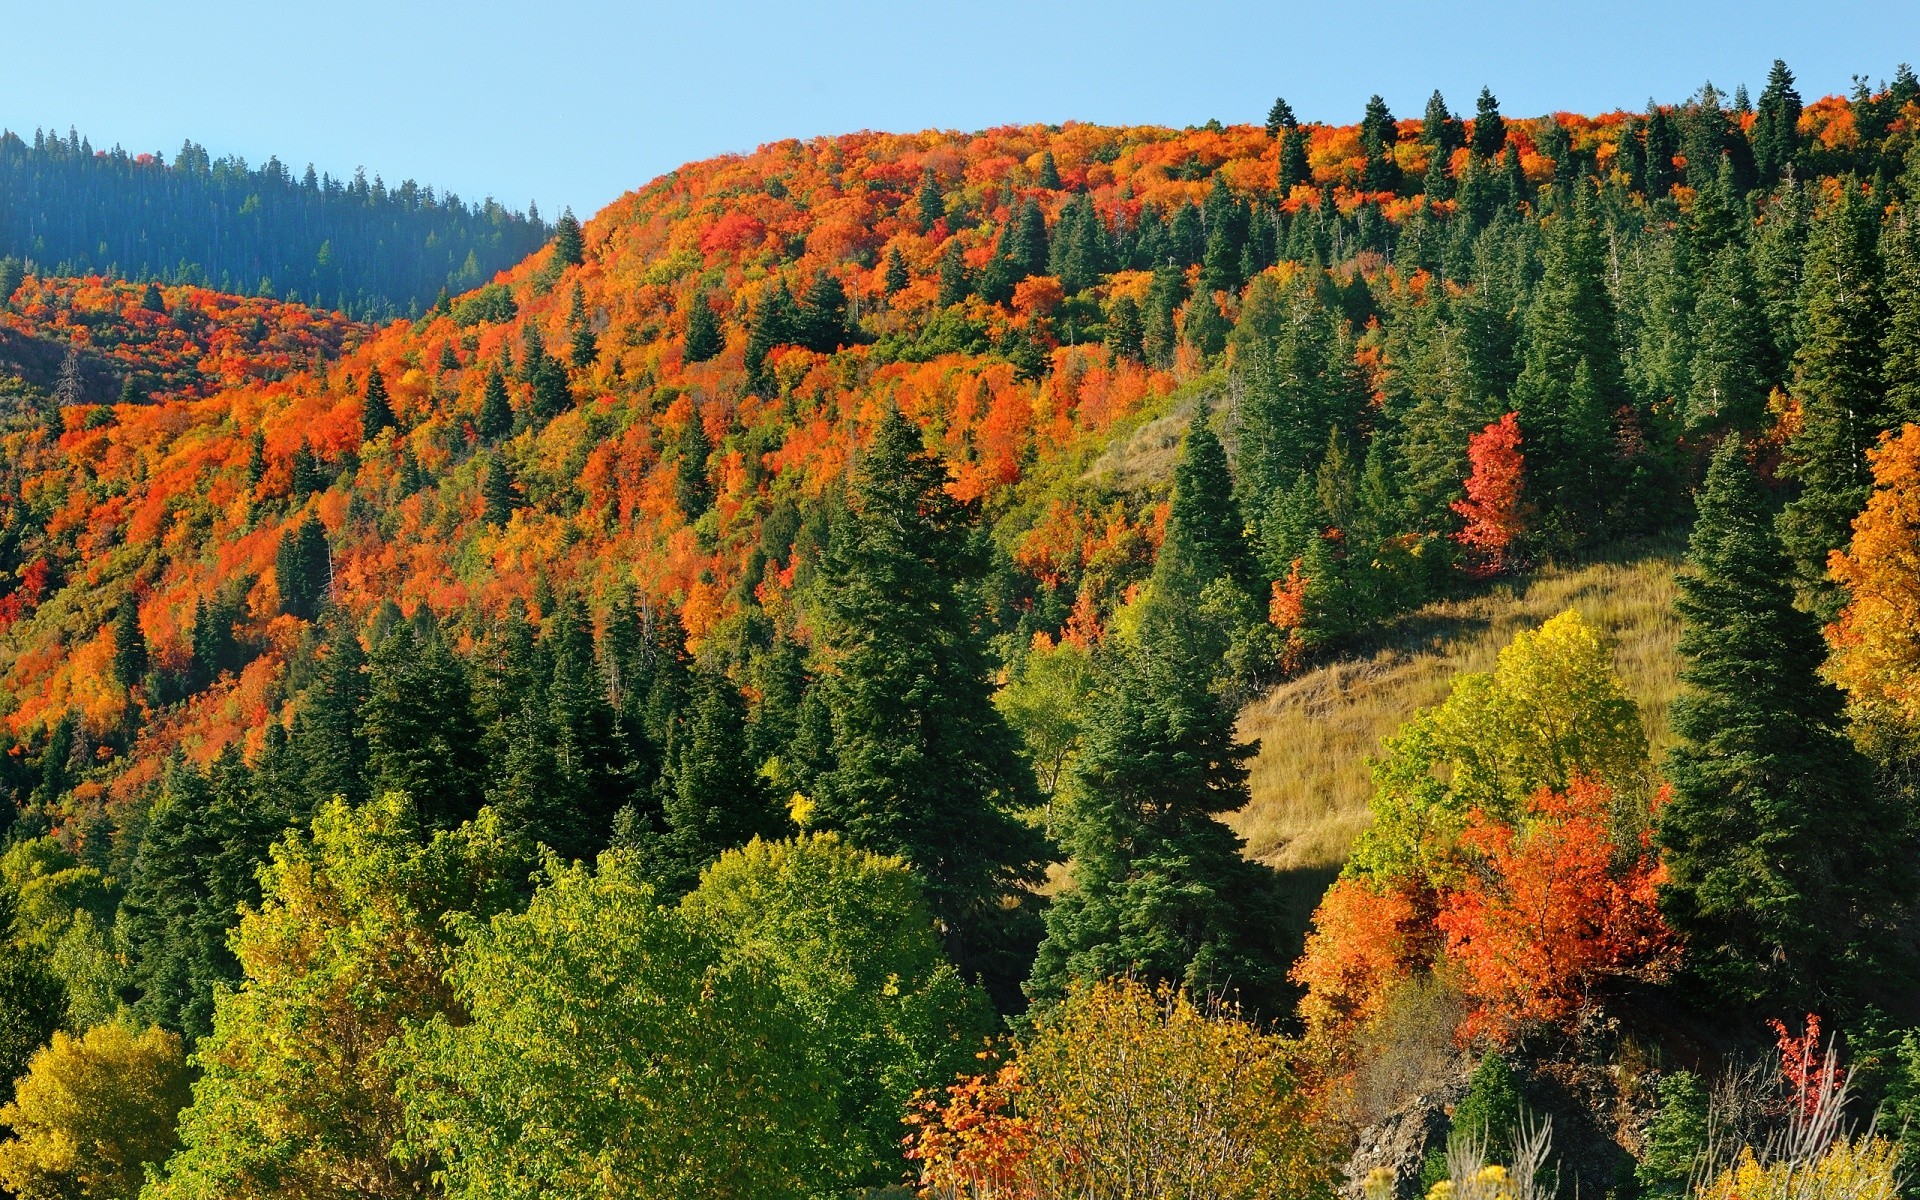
[[703, 331], [129, 645], [568, 249], [1489, 128], [1787, 863], [496, 413], [1049, 172], [923, 766], [496, 491], [931, 205], [1440, 129], [1838, 383], [1294, 169], [1730, 349], [376, 412], [1378, 135], [303, 569], [583, 348], [592, 774], [822, 324], [418, 720], [1206, 537], [713, 799], [1028, 251], [955, 284], [774, 323], [1280, 118], [1900, 348], [1662, 144]]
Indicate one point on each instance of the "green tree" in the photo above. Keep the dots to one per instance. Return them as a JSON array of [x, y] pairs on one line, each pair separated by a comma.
[[692, 487], [849, 939], [1729, 386], [129, 644], [713, 798], [611, 1049], [568, 249], [822, 325], [1900, 348], [1786, 863], [1677, 1138], [376, 410], [1049, 177], [1489, 128], [1280, 118], [331, 746], [704, 339], [1837, 380], [923, 766], [897, 276], [930, 204], [955, 283], [1776, 125], [303, 569], [33, 1003], [496, 490], [495, 419], [1378, 134], [1294, 168], [418, 720], [348, 948]]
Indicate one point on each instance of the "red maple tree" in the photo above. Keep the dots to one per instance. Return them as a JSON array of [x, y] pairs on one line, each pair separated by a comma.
[[1495, 509]]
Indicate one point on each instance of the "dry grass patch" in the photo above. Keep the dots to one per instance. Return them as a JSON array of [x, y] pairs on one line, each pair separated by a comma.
[[1317, 733]]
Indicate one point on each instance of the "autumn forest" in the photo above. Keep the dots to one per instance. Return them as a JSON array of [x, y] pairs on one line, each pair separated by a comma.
[[758, 692]]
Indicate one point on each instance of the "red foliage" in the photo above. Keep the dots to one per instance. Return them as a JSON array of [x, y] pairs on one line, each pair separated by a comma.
[[1363, 942], [1811, 1069], [1548, 912], [1495, 509]]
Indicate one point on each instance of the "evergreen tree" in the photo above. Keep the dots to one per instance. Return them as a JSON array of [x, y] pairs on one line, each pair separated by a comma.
[[1776, 125], [1280, 118], [955, 285], [1049, 172], [1730, 349], [1787, 864], [418, 719], [496, 491], [129, 645], [376, 412], [1294, 169], [303, 569], [1440, 129], [692, 487], [1900, 348], [1028, 252], [1489, 127], [932, 206], [1124, 333], [592, 775], [1838, 383], [583, 348], [922, 764], [897, 276], [704, 339], [1662, 144], [327, 736], [822, 325], [568, 250], [1161, 889], [774, 322], [1378, 134], [33, 1004], [496, 413], [712, 799]]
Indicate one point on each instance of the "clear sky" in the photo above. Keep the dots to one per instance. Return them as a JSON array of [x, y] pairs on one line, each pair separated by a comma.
[[574, 103]]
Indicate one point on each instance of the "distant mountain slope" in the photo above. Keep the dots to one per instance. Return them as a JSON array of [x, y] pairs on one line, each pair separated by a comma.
[[348, 244]]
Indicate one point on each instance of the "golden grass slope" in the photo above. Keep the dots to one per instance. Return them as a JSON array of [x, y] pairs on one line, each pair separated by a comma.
[[1319, 732]]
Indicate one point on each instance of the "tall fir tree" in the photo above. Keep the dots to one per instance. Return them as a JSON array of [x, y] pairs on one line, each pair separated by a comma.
[[1776, 125], [1838, 384], [129, 645], [692, 487], [1280, 118], [922, 763], [712, 797], [418, 719], [303, 569], [930, 205], [495, 419], [568, 249], [704, 339], [328, 740], [1788, 867], [376, 410], [1489, 127]]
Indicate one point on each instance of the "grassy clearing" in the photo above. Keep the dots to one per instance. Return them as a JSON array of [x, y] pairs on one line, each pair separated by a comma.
[[1318, 732]]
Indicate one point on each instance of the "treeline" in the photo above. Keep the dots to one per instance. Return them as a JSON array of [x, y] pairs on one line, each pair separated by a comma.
[[369, 251]]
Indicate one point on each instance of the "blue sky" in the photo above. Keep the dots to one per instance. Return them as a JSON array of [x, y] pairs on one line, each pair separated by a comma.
[[572, 104]]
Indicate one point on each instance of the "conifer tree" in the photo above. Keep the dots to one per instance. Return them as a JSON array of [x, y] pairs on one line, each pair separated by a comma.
[[327, 736], [930, 204], [704, 339], [1900, 349], [1211, 542], [1662, 144], [1161, 889], [922, 764], [955, 285], [129, 645], [583, 348], [1280, 118], [1028, 252], [1776, 125], [303, 569], [593, 779], [568, 250], [1730, 349], [1378, 134], [692, 487], [496, 491], [713, 799], [822, 325], [1049, 172], [418, 719], [1440, 129], [1489, 128], [376, 411], [897, 276], [1786, 862], [1838, 383], [496, 413], [1294, 168], [774, 322]]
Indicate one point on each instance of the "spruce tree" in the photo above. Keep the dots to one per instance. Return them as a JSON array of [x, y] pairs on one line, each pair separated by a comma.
[[1730, 349], [955, 284], [419, 723], [496, 491], [327, 736], [703, 331], [303, 569], [1378, 134], [930, 204], [1280, 118], [712, 798], [1029, 249], [1662, 144], [1049, 172], [1787, 864], [129, 645], [495, 420], [822, 324], [1900, 348], [1440, 129], [897, 276], [1489, 127], [568, 250], [922, 764], [1294, 169], [773, 324], [592, 776], [376, 412], [1838, 382], [1776, 125], [1161, 889], [693, 489]]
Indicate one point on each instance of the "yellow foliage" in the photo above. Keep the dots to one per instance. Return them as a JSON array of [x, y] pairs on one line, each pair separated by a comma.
[[1876, 642], [91, 1112], [1862, 1169]]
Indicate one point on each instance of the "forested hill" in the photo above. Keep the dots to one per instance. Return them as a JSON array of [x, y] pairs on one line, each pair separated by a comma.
[[947, 493], [349, 244]]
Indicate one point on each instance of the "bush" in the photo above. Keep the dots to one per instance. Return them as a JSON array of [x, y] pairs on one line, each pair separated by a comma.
[[1677, 1138]]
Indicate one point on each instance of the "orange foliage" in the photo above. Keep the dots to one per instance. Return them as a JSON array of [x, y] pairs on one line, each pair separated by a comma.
[[1363, 942], [1495, 509], [1876, 641], [1550, 913]]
